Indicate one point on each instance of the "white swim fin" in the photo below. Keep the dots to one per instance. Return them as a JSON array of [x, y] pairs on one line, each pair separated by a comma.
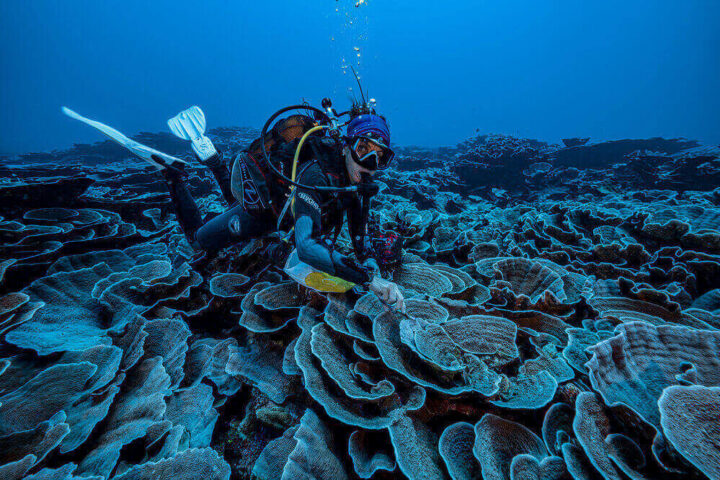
[[190, 125], [142, 151]]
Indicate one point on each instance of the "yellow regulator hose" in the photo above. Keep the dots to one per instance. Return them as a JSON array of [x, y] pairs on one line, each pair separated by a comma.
[[295, 162]]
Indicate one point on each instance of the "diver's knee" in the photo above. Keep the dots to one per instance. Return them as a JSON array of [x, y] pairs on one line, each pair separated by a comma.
[[205, 238], [219, 232]]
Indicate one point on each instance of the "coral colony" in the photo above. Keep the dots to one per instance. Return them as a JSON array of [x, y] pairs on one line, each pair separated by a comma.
[[563, 321]]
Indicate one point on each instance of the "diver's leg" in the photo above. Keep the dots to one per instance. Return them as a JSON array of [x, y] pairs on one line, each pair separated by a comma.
[[187, 211], [220, 171], [232, 226]]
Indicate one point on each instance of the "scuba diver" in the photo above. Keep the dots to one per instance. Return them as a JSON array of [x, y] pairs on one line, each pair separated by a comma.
[[331, 178]]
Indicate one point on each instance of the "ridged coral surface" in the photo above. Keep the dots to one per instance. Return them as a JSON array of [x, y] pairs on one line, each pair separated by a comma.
[[563, 321]]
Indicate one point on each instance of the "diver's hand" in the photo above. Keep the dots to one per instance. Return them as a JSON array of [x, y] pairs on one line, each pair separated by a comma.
[[388, 293]]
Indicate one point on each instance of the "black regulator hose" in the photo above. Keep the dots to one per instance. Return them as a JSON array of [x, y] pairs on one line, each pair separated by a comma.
[[325, 119], [368, 190]]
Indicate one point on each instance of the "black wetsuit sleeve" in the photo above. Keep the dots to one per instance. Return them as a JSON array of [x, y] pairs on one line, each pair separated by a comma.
[[308, 221]]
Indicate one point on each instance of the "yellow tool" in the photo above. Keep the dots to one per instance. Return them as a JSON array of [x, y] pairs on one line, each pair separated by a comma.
[[308, 276]]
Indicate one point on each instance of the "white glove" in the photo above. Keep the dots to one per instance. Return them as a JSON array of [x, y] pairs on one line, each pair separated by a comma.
[[388, 293]]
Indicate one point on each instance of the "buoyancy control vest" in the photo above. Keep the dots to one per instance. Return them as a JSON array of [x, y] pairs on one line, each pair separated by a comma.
[[253, 184]]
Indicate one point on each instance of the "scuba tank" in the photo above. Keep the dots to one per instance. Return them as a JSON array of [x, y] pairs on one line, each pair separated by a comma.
[[267, 162], [253, 181]]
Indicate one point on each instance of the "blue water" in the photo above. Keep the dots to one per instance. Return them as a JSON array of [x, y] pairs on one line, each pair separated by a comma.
[[440, 71], [556, 257]]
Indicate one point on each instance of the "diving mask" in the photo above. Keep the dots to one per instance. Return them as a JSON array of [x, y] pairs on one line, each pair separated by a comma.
[[371, 154]]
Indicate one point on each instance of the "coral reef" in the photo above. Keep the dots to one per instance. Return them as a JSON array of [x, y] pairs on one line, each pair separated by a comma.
[[563, 321]]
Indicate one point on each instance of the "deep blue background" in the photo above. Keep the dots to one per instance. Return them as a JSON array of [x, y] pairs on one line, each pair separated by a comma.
[[439, 70]]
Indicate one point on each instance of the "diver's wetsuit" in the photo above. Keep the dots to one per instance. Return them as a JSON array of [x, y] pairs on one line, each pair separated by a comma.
[[233, 225], [317, 216]]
